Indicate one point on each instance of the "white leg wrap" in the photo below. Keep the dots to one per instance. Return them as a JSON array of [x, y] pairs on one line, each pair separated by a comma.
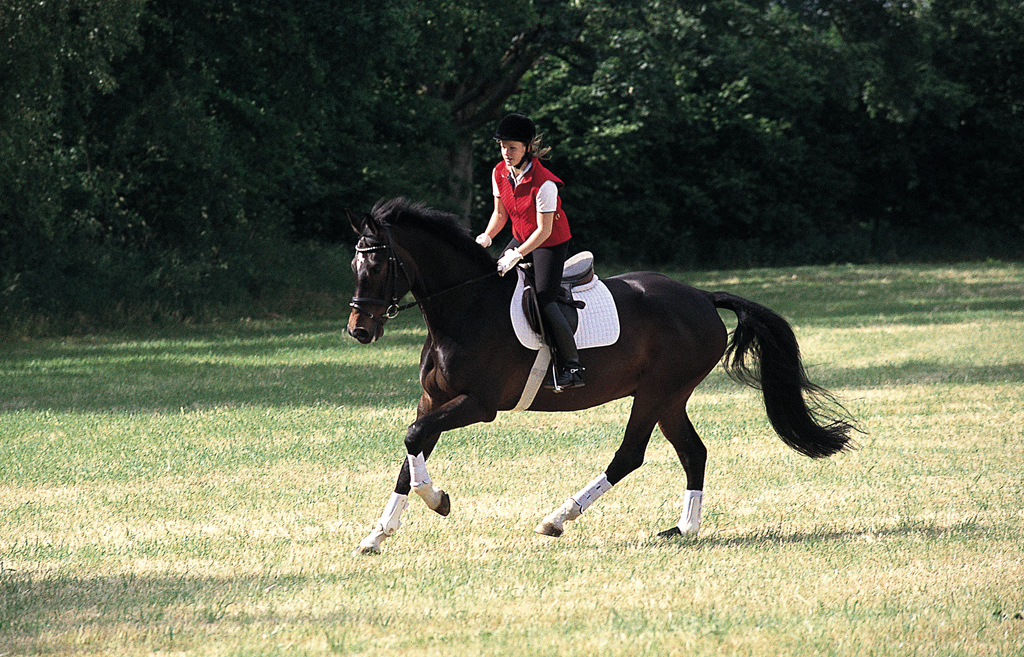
[[391, 519], [595, 489], [388, 524], [689, 521], [421, 481], [418, 470], [575, 506]]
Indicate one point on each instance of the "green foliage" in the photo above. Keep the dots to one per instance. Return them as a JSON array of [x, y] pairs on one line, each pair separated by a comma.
[[742, 132], [166, 159], [56, 58]]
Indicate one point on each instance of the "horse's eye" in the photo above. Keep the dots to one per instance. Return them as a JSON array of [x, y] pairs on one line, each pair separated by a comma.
[[367, 263]]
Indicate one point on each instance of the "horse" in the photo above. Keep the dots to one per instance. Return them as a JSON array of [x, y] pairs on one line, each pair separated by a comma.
[[472, 365]]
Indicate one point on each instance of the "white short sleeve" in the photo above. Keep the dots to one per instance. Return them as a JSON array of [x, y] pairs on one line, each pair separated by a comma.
[[547, 197], [494, 185]]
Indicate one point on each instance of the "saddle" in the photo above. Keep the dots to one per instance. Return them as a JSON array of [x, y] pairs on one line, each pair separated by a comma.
[[577, 272]]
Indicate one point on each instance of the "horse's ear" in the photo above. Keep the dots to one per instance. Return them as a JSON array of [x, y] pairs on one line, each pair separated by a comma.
[[364, 224], [356, 221]]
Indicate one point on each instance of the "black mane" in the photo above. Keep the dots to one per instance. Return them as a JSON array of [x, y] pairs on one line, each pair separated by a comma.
[[402, 213]]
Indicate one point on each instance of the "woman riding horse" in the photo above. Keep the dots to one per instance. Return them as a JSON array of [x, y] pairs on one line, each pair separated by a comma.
[[472, 366], [527, 193]]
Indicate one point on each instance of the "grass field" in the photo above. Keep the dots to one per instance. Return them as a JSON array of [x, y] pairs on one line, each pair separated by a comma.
[[200, 491]]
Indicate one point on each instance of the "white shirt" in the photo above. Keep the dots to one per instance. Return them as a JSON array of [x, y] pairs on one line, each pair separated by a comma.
[[547, 195]]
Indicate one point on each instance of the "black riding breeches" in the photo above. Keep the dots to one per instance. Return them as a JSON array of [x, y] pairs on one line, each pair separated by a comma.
[[547, 269]]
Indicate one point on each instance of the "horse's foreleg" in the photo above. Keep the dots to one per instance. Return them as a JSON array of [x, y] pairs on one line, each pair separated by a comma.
[[435, 498], [412, 476], [386, 526], [420, 441], [423, 435], [391, 519]]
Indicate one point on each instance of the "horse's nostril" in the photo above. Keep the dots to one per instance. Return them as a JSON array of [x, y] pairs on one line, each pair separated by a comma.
[[360, 334]]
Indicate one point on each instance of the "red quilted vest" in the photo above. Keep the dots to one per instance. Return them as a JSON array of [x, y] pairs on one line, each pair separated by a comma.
[[521, 203]]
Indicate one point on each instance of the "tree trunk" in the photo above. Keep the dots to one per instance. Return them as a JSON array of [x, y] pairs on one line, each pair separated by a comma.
[[460, 179]]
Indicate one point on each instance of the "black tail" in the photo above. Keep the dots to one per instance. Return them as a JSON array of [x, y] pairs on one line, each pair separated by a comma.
[[818, 430]]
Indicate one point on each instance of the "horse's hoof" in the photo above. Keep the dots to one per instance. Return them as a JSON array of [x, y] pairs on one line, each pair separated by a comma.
[[361, 550], [670, 533], [445, 507], [548, 529]]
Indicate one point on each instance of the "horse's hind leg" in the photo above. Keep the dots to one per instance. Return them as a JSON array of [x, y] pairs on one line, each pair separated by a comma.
[[693, 455], [628, 457]]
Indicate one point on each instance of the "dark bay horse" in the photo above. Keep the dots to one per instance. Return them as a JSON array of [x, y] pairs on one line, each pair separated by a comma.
[[473, 366]]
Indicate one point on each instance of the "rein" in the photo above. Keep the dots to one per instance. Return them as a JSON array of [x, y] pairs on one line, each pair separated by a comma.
[[392, 306]]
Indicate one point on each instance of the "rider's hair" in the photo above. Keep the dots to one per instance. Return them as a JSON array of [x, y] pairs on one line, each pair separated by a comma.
[[537, 149]]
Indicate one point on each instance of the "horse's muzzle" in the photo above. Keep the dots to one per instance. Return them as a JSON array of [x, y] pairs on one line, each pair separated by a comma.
[[363, 328], [359, 333]]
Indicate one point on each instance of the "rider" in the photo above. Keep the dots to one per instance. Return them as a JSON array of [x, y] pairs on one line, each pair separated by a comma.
[[527, 193]]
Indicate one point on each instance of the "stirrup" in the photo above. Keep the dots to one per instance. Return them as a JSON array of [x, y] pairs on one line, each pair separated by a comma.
[[566, 377]]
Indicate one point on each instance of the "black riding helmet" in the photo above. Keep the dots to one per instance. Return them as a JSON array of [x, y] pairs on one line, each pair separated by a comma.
[[516, 127]]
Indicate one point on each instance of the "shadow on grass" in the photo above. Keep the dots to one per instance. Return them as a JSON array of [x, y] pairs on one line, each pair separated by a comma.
[[916, 372], [50, 614], [779, 536], [197, 387], [304, 365], [856, 295], [172, 379], [290, 368], [919, 372]]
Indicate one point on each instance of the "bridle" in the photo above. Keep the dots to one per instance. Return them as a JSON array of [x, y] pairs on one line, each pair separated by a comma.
[[394, 264]]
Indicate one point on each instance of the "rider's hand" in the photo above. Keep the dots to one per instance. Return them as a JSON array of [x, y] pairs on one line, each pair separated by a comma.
[[484, 240], [508, 260]]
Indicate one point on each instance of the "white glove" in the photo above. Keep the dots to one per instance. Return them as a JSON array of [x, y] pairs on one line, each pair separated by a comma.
[[508, 260], [484, 240]]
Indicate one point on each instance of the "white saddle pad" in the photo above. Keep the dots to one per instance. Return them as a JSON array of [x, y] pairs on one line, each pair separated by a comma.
[[599, 321]]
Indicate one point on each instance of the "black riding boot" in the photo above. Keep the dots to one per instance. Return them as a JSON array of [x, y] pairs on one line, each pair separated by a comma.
[[568, 370]]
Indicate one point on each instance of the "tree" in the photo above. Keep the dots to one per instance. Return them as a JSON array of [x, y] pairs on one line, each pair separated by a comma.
[[472, 57], [56, 58], [702, 135], [755, 132]]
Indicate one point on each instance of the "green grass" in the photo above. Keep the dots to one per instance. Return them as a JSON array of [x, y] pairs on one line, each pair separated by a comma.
[[199, 492]]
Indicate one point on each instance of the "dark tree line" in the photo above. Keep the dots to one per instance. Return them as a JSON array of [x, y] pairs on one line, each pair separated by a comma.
[[173, 156]]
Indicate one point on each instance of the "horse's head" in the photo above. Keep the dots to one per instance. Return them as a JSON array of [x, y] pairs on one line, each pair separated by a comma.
[[380, 280], [406, 247]]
